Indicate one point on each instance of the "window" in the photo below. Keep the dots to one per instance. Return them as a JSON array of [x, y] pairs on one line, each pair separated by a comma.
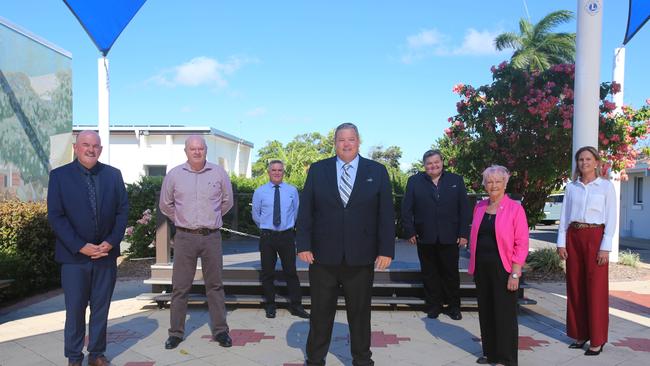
[[156, 170], [638, 190]]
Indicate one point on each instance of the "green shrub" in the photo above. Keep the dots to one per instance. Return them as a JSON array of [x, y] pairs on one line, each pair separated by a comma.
[[141, 225], [629, 258], [545, 261], [26, 249]]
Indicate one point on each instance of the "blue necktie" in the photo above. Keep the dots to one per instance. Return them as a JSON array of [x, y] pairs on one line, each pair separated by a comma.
[[92, 196], [276, 206]]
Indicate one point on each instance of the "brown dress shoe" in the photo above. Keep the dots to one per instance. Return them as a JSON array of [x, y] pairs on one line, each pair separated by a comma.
[[99, 361]]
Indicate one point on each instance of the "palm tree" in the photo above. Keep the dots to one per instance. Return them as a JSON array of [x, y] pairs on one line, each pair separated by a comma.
[[536, 47]]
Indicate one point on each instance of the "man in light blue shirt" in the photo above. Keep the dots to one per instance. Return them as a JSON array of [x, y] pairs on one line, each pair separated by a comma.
[[275, 206]]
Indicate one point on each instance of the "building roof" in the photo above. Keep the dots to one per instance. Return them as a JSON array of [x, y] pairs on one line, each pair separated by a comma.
[[34, 37], [168, 129], [642, 166]]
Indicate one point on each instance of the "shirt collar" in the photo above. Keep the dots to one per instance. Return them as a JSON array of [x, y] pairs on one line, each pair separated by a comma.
[[354, 163], [598, 181], [187, 167], [94, 170]]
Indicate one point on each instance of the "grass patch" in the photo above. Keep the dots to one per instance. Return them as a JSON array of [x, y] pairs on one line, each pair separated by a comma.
[[545, 261], [629, 258]]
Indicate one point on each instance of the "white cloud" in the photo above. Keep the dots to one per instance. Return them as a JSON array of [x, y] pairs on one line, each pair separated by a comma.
[[478, 43], [256, 112], [200, 71], [426, 38], [431, 42]]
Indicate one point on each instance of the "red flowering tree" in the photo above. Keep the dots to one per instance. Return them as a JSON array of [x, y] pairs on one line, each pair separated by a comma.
[[524, 121]]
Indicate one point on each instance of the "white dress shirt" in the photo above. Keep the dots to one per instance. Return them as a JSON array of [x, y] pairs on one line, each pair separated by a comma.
[[592, 203]]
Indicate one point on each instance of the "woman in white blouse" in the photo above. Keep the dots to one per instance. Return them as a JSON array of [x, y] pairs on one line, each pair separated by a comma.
[[584, 240]]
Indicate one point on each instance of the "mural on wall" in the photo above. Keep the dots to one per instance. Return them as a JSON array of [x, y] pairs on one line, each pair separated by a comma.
[[35, 113]]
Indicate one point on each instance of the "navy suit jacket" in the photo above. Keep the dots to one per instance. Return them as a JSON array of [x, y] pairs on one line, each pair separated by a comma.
[[358, 232], [436, 220], [70, 214]]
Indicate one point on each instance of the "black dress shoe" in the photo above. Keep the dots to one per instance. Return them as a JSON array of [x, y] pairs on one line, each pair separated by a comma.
[[299, 311], [589, 352], [270, 311], [482, 360], [455, 314], [433, 314], [578, 345], [224, 339], [172, 342]]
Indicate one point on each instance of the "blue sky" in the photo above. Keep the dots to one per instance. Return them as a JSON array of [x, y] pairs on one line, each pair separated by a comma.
[[267, 70]]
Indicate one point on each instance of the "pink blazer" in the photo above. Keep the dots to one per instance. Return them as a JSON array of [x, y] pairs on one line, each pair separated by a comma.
[[511, 229]]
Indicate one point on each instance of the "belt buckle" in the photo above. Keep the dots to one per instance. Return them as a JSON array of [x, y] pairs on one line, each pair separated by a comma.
[[204, 231]]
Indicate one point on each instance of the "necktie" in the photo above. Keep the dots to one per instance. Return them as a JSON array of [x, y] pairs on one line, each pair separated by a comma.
[[345, 187], [276, 206], [92, 196]]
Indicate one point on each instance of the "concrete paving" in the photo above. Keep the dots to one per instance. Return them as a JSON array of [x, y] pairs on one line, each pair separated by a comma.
[[31, 333]]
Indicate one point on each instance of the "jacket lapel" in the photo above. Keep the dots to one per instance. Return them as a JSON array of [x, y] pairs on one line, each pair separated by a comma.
[[331, 179]]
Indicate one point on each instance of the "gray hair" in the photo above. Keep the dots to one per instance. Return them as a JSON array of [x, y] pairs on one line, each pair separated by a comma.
[[346, 126], [89, 132], [431, 153], [274, 161], [499, 171], [195, 137]]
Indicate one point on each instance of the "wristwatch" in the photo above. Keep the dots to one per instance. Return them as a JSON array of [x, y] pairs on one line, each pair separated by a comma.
[[515, 275]]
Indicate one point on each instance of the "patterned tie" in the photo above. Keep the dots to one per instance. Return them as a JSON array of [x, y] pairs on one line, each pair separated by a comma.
[[345, 188], [276, 206], [92, 195]]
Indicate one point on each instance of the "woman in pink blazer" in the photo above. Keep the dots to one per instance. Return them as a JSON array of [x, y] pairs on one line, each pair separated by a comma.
[[498, 250]]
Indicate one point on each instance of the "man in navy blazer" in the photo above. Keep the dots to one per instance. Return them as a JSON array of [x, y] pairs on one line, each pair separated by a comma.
[[436, 217], [345, 228], [87, 208]]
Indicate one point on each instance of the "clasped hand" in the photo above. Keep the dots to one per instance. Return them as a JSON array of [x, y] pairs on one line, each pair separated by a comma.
[[95, 251]]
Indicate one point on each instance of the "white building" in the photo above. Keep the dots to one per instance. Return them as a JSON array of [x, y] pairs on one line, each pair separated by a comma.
[[153, 150], [635, 202]]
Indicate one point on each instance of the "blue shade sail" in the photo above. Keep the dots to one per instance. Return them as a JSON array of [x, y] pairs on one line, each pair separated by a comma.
[[638, 15], [104, 20]]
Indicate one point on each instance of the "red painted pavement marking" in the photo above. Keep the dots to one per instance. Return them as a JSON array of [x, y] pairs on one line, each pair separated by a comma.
[[527, 343], [242, 336], [630, 301], [379, 339], [636, 344]]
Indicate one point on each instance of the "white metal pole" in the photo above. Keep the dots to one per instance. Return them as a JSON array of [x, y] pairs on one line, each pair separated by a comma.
[[103, 98], [618, 76], [587, 74]]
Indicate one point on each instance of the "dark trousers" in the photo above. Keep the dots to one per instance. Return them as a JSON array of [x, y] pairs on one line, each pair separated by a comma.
[[497, 312], [325, 281], [188, 248], [439, 268], [282, 244], [90, 283], [587, 287]]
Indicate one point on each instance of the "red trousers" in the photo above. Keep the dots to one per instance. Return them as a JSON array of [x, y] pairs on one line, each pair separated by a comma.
[[587, 286]]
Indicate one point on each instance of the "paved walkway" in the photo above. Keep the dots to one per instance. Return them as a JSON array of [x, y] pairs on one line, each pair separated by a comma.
[[32, 334]]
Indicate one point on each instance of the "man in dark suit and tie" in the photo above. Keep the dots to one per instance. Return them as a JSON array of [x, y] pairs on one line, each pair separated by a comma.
[[87, 208], [345, 229]]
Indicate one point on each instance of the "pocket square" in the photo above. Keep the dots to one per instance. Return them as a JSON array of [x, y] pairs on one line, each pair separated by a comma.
[[454, 186], [369, 180]]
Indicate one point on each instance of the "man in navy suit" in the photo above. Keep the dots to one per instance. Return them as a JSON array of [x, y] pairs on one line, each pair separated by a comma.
[[87, 208], [345, 229]]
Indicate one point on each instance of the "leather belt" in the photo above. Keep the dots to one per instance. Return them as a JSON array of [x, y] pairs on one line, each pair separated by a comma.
[[275, 232], [582, 225], [202, 231]]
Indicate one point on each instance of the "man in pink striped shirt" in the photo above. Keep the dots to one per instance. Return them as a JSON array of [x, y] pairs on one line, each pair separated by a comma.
[[195, 196]]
